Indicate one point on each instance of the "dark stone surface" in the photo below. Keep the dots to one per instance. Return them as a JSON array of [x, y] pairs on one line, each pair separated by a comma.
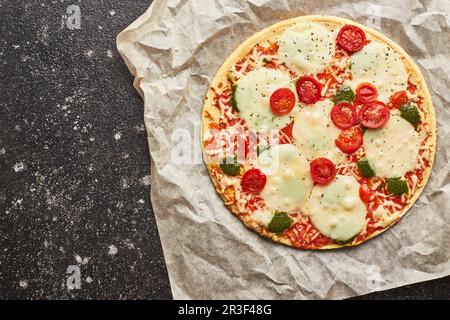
[[74, 164]]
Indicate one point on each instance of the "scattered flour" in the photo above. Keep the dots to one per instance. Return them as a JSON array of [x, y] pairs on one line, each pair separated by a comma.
[[23, 284], [82, 261], [145, 180], [117, 136], [109, 54], [112, 250], [19, 166]]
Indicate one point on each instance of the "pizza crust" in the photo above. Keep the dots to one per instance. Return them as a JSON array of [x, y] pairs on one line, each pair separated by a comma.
[[275, 30]]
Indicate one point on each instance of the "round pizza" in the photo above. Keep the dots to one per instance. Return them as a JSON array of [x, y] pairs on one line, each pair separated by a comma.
[[318, 132]]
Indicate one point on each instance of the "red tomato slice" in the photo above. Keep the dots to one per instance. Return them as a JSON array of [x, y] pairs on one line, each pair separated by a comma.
[[282, 101], [374, 114], [349, 140], [366, 92], [308, 89], [344, 115], [253, 181], [286, 134], [351, 38], [365, 193], [323, 171], [398, 99]]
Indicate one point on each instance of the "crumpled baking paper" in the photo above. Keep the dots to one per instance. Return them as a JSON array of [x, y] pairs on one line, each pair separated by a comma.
[[174, 50]]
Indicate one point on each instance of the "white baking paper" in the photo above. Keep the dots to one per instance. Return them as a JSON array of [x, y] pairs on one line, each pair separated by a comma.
[[174, 50]]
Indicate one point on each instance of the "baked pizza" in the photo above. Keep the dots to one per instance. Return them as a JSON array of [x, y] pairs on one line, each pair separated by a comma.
[[318, 132]]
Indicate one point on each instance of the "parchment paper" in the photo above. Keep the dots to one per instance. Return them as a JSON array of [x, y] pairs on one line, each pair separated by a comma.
[[174, 50]]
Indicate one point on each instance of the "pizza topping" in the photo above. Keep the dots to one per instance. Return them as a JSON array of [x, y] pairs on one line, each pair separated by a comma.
[[351, 38], [230, 166], [253, 94], [314, 133], [253, 181], [392, 150], [364, 168], [233, 98], [282, 101], [344, 93], [374, 115], [308, 89], [336, 209], [381, 66], [323, 171], [399, 99], [397, 186], [344, 115], [410, 113], [366, 92], [288, 179], [365, 193], [280, 222], [349, 140], [307, 48]]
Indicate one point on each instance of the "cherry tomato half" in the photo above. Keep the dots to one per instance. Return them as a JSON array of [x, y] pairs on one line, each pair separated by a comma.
[[349, 140], [374, 114], [366, 92], [308, 89], [253, 181], [365, 193], [398, 99], [282, 101], [351, 38], [323, 170], [343, 115]]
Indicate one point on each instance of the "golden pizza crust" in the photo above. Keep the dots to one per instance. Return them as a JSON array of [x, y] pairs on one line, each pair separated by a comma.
[[272, 32]]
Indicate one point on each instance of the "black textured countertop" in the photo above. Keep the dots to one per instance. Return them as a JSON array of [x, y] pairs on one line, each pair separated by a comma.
[[74, 163]]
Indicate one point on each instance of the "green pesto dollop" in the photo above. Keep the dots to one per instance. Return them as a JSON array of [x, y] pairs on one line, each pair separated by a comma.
[[397, 186], [344, 93], [230, 166], [410, 113], [365, 169], [280, 222]]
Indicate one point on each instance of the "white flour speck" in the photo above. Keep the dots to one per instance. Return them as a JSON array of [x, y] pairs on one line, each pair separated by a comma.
[[89, 53], [19, 166], [88, 280], [109, 54], [23, 284], [112, 12], [2, 151], [117, 136], [145, 180], [141, 201], [82, 261], [112, 250]]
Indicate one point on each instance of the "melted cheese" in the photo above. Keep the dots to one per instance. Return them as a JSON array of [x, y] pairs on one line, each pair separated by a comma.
[[288, 179], [262, 217], [380, 65], [253, 98], [314, 132], [336, 209], [306, 47], [393, 149]]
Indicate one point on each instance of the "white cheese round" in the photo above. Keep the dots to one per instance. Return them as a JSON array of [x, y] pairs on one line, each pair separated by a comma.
[[289, 181], [306, 47], [314, 132], [381, 66], [393, 149], [336, 209], [253, 93]]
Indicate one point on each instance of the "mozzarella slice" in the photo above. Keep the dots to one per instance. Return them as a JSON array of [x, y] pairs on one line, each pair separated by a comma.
[[288, 178], [380, 65], [336, 209], [253, 93], [392, 150], [306, 47], [314, 132]]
